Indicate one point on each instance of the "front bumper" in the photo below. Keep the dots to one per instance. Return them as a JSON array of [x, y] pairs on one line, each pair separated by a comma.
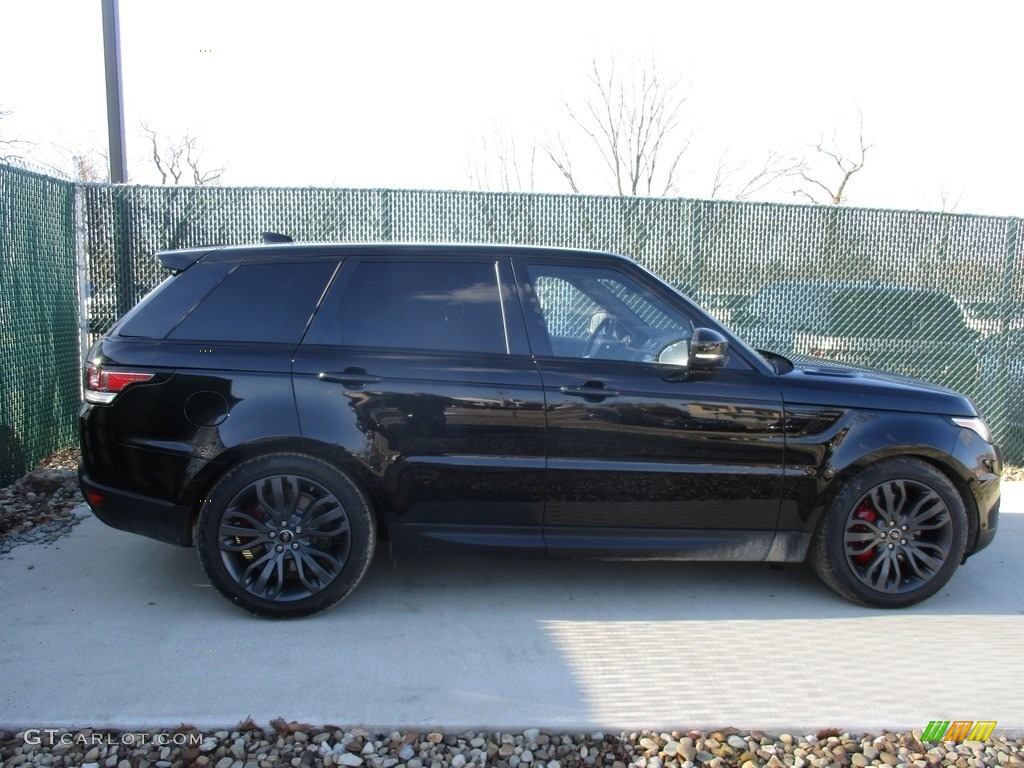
[[144, 515]]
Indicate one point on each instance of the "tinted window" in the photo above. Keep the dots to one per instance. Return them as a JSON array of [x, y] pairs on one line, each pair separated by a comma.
[[161, 310], [259, 302], [443, 306]]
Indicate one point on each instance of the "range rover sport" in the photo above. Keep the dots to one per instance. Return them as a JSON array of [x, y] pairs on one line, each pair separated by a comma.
[[284, 408]]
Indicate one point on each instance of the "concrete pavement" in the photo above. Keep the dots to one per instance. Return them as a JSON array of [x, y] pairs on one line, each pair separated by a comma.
[[109, 629]]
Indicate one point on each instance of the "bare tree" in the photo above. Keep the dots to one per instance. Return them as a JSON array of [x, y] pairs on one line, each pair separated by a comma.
[[10, 148], [557, 151], [949, 198], [743, 180], [178, 159], [82, 161], [828, 185], [502, 163], [633, 117]]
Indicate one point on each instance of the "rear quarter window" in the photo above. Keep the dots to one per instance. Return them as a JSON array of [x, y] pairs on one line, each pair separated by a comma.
[[258, 303], [161, 310]]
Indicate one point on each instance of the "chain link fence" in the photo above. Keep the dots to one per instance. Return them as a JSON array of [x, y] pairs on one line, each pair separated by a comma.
[[39, 338], [939, 296]]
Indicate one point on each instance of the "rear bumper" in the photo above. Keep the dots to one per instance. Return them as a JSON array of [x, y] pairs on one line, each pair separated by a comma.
[[144, 515]]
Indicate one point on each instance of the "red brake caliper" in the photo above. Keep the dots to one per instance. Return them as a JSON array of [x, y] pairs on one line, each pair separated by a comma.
[[865, 512], [254, 511]]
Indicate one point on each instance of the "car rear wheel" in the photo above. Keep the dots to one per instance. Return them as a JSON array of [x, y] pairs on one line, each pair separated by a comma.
[[892, 536], [285, 535]]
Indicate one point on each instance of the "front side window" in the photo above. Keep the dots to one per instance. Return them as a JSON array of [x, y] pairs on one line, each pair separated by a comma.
[[432, 306], [591, 312]]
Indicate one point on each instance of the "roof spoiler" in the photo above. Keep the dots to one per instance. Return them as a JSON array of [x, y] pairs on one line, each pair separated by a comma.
[[179, 261], [275, 237]]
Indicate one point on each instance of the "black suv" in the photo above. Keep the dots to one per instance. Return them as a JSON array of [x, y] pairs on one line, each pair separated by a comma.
[[284, 407]]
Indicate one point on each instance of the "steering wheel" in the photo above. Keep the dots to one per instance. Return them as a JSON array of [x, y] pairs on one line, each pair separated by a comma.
[[601, 333]]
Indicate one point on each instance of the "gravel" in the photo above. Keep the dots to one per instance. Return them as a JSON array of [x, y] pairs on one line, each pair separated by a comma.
[[41, 507], [1013, 474], [300, 744]]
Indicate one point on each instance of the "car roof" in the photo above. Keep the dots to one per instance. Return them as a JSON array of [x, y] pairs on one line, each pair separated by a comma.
[[179, 260], [824, 288]]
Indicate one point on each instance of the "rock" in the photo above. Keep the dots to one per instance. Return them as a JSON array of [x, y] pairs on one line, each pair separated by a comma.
[[345, 758], [737, 741]]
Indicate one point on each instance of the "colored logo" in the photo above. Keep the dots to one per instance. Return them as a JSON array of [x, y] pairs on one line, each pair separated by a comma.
[[958, 730]]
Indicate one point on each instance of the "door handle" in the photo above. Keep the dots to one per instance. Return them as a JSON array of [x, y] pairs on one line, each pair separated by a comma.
[[591, 390], [350, 377]]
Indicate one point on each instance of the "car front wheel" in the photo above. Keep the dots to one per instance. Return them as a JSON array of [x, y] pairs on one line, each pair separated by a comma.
[[285, 535], [893, 536]]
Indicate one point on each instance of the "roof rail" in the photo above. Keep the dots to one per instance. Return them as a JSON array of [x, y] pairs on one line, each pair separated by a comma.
[[276, 237]]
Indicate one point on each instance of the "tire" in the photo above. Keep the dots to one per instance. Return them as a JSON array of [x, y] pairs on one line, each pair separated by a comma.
[[285, 535], [893, 536]]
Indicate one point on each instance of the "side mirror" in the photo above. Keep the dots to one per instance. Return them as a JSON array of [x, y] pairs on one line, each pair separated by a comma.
[[708, 349]]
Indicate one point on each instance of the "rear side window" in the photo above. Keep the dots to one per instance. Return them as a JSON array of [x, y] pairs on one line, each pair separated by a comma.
[[259, 303], [159, 312], [436, 306]]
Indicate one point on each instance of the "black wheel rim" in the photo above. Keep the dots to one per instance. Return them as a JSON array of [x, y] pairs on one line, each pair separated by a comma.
[[898, 536], [284, 538]]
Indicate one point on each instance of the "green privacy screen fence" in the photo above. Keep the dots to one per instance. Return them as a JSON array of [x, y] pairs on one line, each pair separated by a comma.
[[39, 339], [940, 296]]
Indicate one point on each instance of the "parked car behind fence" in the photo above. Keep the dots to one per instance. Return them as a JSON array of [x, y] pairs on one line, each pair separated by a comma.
[[908, 331]]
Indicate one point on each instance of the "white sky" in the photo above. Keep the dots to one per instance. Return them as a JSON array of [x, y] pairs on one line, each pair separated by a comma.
[[396, 94]]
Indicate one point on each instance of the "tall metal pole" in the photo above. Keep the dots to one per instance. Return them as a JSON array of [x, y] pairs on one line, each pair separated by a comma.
[[115, 102]]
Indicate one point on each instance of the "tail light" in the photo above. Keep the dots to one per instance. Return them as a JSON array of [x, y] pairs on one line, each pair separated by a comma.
[[102, 386]]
